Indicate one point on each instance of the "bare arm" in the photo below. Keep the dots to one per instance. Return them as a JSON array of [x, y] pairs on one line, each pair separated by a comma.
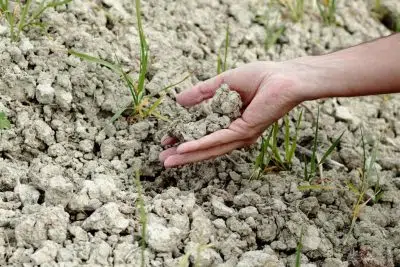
[[366, 69], [271, 89]]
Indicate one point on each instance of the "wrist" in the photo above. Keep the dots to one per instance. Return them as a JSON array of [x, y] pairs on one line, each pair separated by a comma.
[[320, 76]]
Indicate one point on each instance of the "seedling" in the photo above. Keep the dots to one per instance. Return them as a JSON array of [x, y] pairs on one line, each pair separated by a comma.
[[296, 9], [142, 105], [273, 33], [4, 122], [327, 10], [222, 63], [269, 150], [361, 190], [20, 17], [316, 162], [142, 218], [273, 30], [299, 248]]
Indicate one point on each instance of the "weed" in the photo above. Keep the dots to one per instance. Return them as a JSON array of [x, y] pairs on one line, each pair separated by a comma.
[[273, 33], [222, 64], [269, 150], [142, 105], [296, 8], [315, 161], [327, 10], [263, 159], [4, 122], [20, 16], [299, 248], [142, 217], [273, 30], [361, 190]]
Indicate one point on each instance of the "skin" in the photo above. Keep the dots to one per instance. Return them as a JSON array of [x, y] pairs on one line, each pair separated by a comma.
[[271, 89]]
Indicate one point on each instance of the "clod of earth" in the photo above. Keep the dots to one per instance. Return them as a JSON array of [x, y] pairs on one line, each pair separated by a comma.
[[215, 115]]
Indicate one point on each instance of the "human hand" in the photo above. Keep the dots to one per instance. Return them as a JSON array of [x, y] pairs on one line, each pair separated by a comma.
[[268, 90]]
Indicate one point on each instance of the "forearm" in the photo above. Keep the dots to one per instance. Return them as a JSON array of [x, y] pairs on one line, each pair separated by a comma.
[[366, 69]]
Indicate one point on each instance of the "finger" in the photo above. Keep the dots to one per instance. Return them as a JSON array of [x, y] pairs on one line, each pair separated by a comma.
[[201, 91], [168, 140], [167, 153], [182, 159], [238, 130]]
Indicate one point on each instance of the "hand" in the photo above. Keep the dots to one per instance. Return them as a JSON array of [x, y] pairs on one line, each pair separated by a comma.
[[268, 90]]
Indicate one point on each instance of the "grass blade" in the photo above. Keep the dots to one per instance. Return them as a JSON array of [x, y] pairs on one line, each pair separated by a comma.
[[142, 217], [23, 16], [226, 48], [305, 169], [144, 53], [175, 84], [96, 60], [299, 248], [119, 113], [314, 150], [222, 65], [294, 141], [260, 163], [287, 135], [274, 148], [153, 107], [315, 187], [330, 149]]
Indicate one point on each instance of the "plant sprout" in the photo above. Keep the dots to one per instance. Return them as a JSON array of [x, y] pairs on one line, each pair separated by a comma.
[[361, 190], [269, 150], [296, 8], [327, 10], [141, 105], [315, 162], [4, 122], [20, 17], [142, 218], [222, 64]]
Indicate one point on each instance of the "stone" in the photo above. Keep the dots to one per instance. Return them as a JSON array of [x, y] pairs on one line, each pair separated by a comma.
[[59, 191], [45, 93], [106, 218], [46, 254], [28, 194], [220, 209], [311, 239], [50, 223], [160, 237]]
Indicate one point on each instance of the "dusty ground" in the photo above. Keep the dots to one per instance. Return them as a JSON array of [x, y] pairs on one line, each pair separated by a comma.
[[67, 191]]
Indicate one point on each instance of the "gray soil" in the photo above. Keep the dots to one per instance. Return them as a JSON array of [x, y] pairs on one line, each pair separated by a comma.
[[67, 191]]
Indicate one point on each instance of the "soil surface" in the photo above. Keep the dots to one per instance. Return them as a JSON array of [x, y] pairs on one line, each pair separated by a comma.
[[67, 190]]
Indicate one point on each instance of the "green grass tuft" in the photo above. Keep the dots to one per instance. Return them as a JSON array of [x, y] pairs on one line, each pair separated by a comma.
[[327, 10], [310, 170], [20, 15], [361, 189], [142, 105], [4, 122], [270, 152], [296, 9], [142, 217], [299, 248], [222, 63]]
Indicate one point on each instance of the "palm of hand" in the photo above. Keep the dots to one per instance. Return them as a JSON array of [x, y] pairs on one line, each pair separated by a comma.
[[266, 95]]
